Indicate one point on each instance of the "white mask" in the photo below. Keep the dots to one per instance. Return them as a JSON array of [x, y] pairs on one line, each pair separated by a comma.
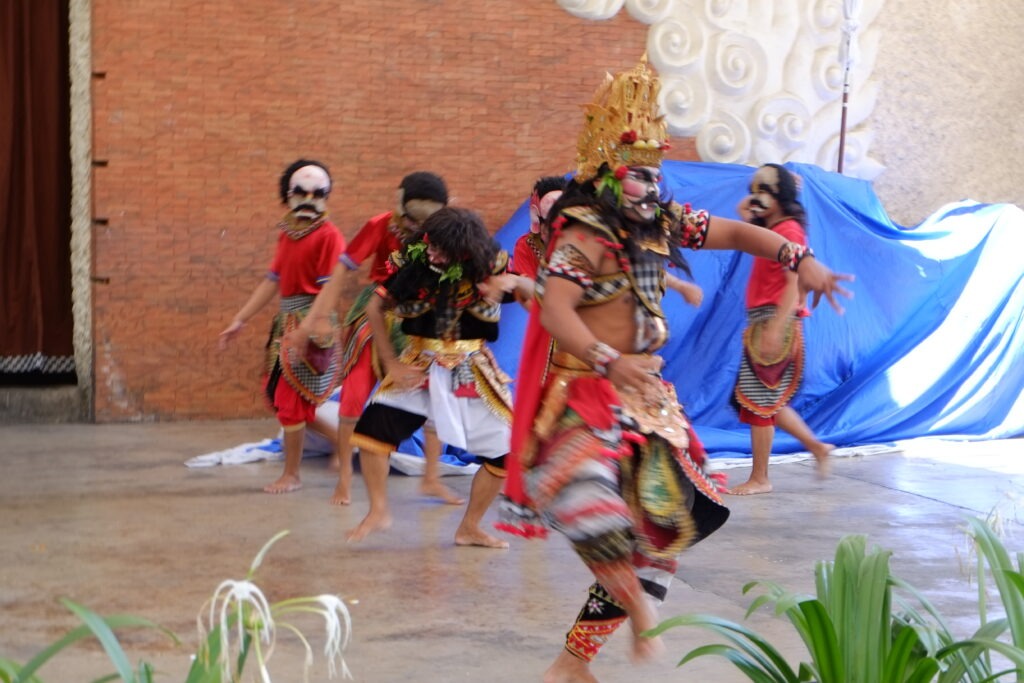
[[308, 189]]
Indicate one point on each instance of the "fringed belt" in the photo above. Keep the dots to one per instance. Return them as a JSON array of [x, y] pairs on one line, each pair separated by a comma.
[[446, 353]]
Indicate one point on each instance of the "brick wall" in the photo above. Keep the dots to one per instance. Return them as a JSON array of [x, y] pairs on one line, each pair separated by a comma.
[[200, 104]]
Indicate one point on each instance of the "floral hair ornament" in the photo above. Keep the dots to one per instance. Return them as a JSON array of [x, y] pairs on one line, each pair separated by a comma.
[[622, 126]]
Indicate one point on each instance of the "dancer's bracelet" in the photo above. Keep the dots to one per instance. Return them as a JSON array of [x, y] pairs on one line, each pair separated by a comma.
[[791, 254], [599, 355]]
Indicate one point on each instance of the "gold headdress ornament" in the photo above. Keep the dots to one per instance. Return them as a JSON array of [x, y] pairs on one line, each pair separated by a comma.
[[621, 125]]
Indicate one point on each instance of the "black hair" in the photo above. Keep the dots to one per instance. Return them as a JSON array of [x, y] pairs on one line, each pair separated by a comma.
[[462, 236], [290, 171], [550, 183], [424, 185], [787, 195], [607, 205]]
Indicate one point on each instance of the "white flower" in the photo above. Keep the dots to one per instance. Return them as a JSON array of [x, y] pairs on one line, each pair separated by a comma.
[[240, 608], [243, 602], [337, 627]]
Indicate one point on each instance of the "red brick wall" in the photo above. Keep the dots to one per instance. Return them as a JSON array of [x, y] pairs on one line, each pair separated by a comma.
[[203, 103]]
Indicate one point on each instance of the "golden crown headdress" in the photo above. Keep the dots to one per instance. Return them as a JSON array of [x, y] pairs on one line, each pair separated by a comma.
[[621, 125]]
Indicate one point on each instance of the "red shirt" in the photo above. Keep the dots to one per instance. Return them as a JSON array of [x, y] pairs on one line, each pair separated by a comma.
[[302, 266], [525, 260], [374, 240], [768, 278]]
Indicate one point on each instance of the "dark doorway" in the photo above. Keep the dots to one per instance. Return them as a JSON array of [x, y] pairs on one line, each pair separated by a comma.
[[36, 324]]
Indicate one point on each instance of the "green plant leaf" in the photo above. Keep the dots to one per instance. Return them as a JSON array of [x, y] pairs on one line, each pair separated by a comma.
[[966, 660], [9, 670], [25, 675], [923, 672], [749, 667], [898, 659], [756, 647], [104, 634], [1010, 591], [258, 560], [820, 638]]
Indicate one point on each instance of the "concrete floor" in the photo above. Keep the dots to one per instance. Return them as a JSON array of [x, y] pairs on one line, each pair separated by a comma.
[[108, 516]]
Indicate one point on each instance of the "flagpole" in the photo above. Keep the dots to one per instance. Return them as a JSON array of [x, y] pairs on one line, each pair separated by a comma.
[[842, 122]]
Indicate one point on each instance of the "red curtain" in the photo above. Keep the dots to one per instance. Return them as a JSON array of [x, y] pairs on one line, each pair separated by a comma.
[[36, 344]]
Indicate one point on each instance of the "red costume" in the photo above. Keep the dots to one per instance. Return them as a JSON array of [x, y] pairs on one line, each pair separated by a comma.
[[301, 265], [360, 370], [766, 385]]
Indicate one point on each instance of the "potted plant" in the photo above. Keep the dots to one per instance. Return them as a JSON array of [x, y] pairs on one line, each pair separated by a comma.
[[856, 630]]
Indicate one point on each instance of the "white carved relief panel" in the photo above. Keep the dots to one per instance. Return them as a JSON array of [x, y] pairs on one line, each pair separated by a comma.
[[757, 81]]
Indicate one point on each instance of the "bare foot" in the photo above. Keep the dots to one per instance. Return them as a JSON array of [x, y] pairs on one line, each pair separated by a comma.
[[333, 462], [568, 668], [286, 484], [433, 488], [821, 453], [341, 495], [374, 521], [750, 488], [646, 649], [475, 536], [643, 618]]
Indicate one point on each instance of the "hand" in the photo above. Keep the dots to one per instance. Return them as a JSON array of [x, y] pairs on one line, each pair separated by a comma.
[[493, 289], [693, 295], [229, 334], [816, 277], [690, 291], [743, 209], [632, 373], [293, 344]]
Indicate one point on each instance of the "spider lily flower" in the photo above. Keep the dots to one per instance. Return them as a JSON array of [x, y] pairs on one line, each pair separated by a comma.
[[337, 627], [240, 607]]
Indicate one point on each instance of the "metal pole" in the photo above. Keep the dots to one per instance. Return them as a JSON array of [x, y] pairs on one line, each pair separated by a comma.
[[846, 98]]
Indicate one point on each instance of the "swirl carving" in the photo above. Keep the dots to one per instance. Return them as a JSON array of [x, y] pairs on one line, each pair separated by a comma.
[[675, 46], [725, 139], [685, 104], [736, 64], [592, 9]]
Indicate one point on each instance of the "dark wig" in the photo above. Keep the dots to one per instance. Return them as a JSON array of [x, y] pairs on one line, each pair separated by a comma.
[[461, 235], [607, 205], [290, 171], [787, 195], [424, 185], [551, 183]]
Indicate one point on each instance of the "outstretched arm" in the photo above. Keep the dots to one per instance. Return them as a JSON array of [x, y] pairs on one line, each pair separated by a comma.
[[260, 297], [814, 276]]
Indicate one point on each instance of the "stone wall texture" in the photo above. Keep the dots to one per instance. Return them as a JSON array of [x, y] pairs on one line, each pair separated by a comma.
[[947, 123], [198, 105]]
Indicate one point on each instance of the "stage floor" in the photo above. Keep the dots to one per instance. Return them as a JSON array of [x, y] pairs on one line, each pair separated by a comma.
[[110, 517]]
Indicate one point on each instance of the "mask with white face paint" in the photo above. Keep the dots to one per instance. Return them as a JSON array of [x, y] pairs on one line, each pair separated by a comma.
[[308, 189]]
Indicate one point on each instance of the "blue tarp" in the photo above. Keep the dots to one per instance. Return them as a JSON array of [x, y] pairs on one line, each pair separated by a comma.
[[932, 344]]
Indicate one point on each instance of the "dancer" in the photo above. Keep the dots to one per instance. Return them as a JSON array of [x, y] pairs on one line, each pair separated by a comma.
[[307, 249], [419, 195], [771, 367], [446, 374], [529, 248], [602, 450]]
